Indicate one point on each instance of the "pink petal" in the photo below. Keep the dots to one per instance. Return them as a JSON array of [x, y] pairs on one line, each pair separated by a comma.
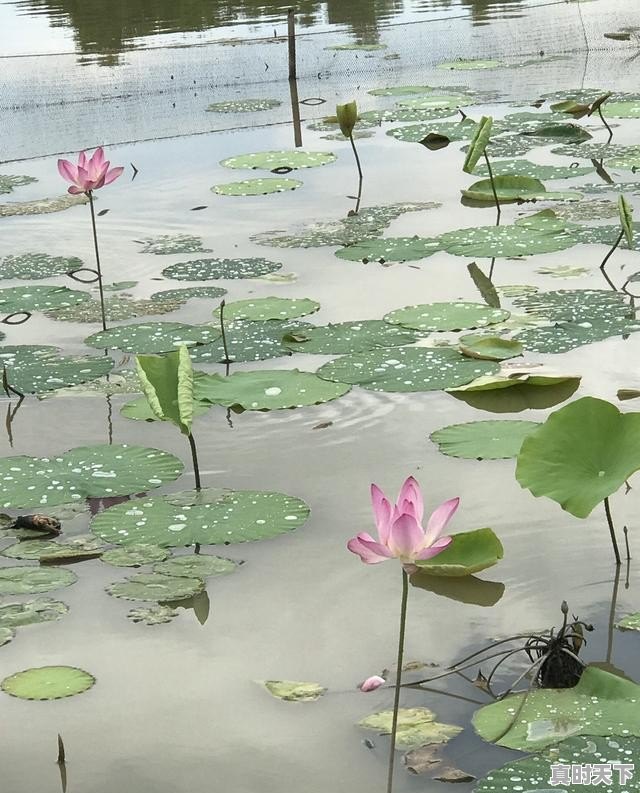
[[438, 521], [82, 180], [82, 160], [371, 683], [99, 176], [437, 547], [97, 159], [406, 537], [113, 174], [67, 170], [410, 491], [369, 551], [382, 512], [75, 190]]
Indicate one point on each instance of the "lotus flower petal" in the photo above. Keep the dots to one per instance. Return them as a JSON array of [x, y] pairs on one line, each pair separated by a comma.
[[433, 550], [439, 519], [369, 551], [406, 537]]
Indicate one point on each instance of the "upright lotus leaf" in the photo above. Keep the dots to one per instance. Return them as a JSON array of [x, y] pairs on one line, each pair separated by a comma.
[[470, 552], [416, 727], [167, 383], [484, 285], [48, 682], [600, 704], [292, 691], [483, 440], [478, 144], [572, 108], [581, 455], [626, 219]]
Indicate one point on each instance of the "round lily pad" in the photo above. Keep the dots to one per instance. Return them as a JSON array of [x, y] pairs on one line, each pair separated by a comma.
[[196, 565], [446, 316], [123, 382], [156, 587], [208, 517], [489, 348], [453, 130], [566, 336], [490, 241], [350, 337], [38, 298], [269, 160], [575, 305], [32, 580], [390, 249], [78, 547], [6, 635], [48, 682], [30, 612], [402, 90], [531, 169], [360, 47], [211, 269], [116, 309], [188, 293], [515, 188], [33, 266], [434, 101], [294, 691], [33, 369], [406, 369], [623, 109], [253, 187], [629, 623], [250, 341], [266, 308], [407, 114], [9, 181], [152, 337], [266, 389], [471, 65], [483, 440], [243, 105], [599, 151], [157, 614], [416, 727], [84, 472], [42, 206], [135, 555], [167, 244]]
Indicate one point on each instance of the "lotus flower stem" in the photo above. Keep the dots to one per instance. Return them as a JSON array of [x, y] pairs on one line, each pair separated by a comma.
[[355, 154], [604, 121], [493, 186], [612, 531], [396, 700], [626, 542], [606, 259], [97, 251], [194, 457], [227, 360], [612, 614]]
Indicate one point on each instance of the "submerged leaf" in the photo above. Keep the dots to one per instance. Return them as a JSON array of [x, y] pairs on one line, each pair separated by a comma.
[[416, 727], [291, 691]]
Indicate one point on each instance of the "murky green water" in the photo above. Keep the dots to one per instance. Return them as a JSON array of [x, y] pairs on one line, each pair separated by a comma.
[[176, 707]]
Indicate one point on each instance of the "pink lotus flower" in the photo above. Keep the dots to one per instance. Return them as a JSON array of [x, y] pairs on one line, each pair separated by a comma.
[[371, 683], [89, 174], [400, 531]]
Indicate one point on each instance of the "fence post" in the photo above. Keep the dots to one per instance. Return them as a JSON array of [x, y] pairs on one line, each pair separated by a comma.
[[291, 33]]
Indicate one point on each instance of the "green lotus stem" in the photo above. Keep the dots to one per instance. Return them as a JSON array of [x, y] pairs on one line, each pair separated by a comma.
[[396, 699], [194, 457], [612, 531], [355, 154], [227, 360], [604, 121], [612, 615], [606, 259], [98, 268], [493, 186], [626, 542]]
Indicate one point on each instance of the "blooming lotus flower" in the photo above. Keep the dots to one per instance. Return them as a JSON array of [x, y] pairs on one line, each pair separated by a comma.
[[371, 683], [89, 174], [401, 534]]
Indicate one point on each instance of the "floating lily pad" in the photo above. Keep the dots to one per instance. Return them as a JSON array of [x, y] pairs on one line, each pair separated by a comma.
[[603, 235], [157, 614], [552, 132], [79, 547], [291, 691], [34, 266], [489, 348], [152, 337], [453, 130], [575, 305], [563, 271], [32, 580], [566, 336], [515, 188], [166, 244], [210, 517], [359, 47], [32, 369], [123, 382], [9, 181], [211, 269], [504, 241], [135, 555], [118, 286], [532, 170], [268, 308], [330, 124], [623, 109], [446, 316], [271, 389], [156, 587], [629, 623], [30, 612], [416, 727], [435, 101], [188, 293], [243, 105], [84, 472], [269, 160], [390, 249], [407, 114], [599, 151], [116, 309], [587, 210], [469, 553], [600, 704], [350, 337], [250, 341], [196, 566], [471, 65], [48, 682], [253, 187], [6, 635], [39, 298], [483, 440], [402, 90], [42, 206], [357, 134], [406, 369]]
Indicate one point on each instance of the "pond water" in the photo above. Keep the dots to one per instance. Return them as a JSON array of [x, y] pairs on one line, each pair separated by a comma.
[[178, 707]]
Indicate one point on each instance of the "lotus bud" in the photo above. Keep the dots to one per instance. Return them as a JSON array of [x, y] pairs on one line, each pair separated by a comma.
[[347, 117], [371, 683]]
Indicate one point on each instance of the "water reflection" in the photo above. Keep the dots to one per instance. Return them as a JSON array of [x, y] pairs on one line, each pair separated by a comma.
[[108, 27]]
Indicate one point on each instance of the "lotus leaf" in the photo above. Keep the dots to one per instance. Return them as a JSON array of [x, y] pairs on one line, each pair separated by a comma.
[[152, 337], [33, 580], [270, 160], [291, 691], [416, 727], [33, 266], [156, 587], [48, 682], [255, 187], [483, 440], [446, 316], [212, 269]]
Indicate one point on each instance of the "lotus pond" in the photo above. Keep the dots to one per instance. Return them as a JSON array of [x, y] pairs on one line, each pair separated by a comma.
[[192, 423]]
